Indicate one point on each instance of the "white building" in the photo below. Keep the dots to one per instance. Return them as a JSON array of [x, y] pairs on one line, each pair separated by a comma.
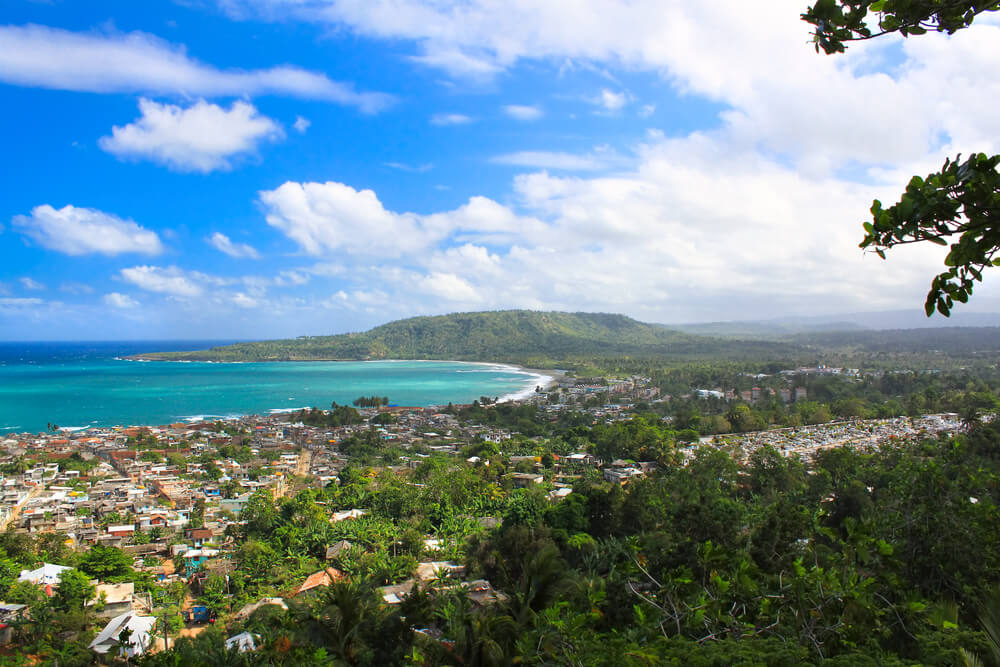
[[138, 641], [47, 575]]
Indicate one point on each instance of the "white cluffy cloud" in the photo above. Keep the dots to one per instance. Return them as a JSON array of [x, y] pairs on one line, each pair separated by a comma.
[[222, 243], [137, 62], [522, 112], [31, 283], [119, 300], [301, 124], [325, 217], [203, 137], [82, 231]]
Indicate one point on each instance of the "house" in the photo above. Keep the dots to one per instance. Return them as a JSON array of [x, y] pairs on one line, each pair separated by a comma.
[[242, 642], [235, 505], [133, 629], [47, 575], [337, 548], [482, 593], [397, 593], [249, 609], [621, 475], [153, 521], [523, 480], [579, 459], [121, 531], [432, 570], [560, 493], [9, 613], [198, 536], [194, 558], [117, 599], [322, 578], [348, 514]]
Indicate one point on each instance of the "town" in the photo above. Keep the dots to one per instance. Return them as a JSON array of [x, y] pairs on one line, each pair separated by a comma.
[[172, 499]]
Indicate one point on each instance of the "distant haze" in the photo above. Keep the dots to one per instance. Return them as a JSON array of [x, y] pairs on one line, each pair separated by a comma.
[[885, 320]]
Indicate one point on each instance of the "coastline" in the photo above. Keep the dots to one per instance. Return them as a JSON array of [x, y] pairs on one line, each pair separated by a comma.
[[542, 378], [532, 378]]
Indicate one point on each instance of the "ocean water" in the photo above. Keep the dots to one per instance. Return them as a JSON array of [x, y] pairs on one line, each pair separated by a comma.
[[76, 385]]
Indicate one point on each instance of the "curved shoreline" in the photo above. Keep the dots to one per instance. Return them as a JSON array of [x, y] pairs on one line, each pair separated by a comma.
[[546, 377], [532, 378]]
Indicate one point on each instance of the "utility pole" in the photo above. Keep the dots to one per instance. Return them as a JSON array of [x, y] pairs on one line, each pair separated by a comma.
[[166, 637]]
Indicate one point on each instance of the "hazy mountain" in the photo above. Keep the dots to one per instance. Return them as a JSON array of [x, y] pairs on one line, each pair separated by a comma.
[[878, 321]]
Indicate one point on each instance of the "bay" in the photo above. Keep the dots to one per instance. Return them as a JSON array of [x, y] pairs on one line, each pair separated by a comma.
[[76, 385]]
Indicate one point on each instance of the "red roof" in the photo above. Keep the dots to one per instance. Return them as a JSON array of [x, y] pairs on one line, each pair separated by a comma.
[[321, 578]]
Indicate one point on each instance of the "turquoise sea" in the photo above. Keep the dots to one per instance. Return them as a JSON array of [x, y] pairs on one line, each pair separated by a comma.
[[76, 385]]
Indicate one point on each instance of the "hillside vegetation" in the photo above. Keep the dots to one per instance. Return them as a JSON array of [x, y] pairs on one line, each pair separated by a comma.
[[518, 336], [608, 342]]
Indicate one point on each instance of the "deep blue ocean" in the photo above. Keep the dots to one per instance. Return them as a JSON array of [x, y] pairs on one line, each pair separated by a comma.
[[76, 385]]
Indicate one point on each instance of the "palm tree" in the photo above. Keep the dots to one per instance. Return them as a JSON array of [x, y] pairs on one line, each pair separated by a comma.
[[479, 638], [485, 639], [343, 612], [989, 619], [543, 578]]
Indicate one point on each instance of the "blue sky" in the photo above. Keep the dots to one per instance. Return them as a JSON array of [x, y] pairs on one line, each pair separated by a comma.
[[262, 168]]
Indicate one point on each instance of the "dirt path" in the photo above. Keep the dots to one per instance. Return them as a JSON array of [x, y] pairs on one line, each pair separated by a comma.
[[305, 459], [17, 510], [193, 631]]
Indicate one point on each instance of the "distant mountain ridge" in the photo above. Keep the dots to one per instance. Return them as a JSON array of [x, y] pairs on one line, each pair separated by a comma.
[[783, 327], [516, 336]]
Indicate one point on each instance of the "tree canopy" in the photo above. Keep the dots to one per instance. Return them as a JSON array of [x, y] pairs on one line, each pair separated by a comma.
[[960, 203], [839, 21]]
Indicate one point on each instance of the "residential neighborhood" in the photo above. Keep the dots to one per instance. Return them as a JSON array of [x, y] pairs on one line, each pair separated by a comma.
[[172, 499]]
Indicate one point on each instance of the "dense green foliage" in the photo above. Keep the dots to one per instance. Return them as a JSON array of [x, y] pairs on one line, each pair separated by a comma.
[[370, 401], [337, 415], [59, 627], [862, 557], [918, 348], [840, 21], [959, 203]]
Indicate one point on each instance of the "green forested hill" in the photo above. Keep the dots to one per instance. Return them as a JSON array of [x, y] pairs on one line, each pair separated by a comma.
[[520, 336], [606, 341], [915, 348]]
